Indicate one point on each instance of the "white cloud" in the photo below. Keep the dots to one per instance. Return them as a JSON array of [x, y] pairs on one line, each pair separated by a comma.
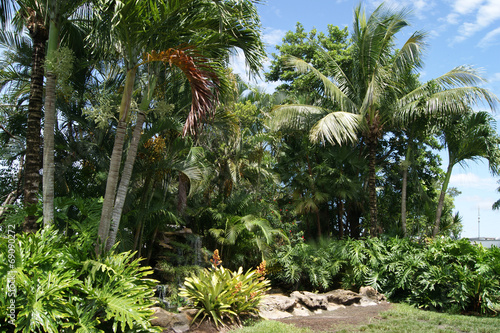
[[495, 77], [420, 8], [473, 202], [466, 6], [490, 38], [470, 180], [476, 15], [272, 37]]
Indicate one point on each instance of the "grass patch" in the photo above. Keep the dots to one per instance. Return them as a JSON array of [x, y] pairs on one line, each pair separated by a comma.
[[401, 318], [271, 326], [404, 318]]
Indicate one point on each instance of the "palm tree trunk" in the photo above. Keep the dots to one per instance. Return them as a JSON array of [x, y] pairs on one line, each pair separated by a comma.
[[48, 150], [182, 193], [372, 189], [403, 200], [115, 163], [49, 126], [39, 37], [440, 206], [121, 194]]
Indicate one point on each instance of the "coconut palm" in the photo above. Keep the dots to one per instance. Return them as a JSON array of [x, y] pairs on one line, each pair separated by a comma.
[[371, 97], [468, 138]]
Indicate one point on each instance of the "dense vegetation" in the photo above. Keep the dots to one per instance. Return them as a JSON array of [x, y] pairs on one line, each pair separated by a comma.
[[443, 274], [154, 154]]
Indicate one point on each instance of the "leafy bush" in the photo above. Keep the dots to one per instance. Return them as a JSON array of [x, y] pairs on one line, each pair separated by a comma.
[[62, 288], [445, 274], [221, 294], [300, 265]]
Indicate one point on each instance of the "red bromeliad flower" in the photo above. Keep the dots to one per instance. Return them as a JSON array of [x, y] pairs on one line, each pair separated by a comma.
[[216, 259]]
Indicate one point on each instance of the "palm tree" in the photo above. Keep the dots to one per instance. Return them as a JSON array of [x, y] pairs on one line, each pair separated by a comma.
[[59, 12], [158, 26], [371, 97], [470, 137], [31, 14]]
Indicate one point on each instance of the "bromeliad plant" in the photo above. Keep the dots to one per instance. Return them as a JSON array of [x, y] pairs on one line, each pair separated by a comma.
[[221, 294]]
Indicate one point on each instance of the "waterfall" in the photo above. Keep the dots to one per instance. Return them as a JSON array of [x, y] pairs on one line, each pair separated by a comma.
[[197, 250]]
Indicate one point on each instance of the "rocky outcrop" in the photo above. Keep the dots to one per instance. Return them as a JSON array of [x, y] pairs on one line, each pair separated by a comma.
[[278, 306], [344, 297], [303, 303], [171, 322]]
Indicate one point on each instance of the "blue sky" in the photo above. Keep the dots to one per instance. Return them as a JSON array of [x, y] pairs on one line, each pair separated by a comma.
[[460, 32]]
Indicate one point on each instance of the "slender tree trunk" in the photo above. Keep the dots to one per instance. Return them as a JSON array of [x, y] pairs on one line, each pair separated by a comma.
[[121, 194], [318, 223], [115, 163], [403, 200], [340, 205], [151, 245], [440, 206], [48, 130], [353, 216], [182, 193], [39, 36], [12, 197], [372, 186], [48, 151]]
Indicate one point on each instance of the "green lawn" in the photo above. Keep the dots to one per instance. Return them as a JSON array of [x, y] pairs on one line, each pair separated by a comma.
[[401, 318]]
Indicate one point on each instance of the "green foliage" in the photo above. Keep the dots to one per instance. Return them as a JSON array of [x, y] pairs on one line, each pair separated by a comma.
[[61, 287], [445, 274], [300, 265], [221, 294]]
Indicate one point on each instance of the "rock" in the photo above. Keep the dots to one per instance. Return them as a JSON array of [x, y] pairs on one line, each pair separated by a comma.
[[372, 294], [274, 314], [301, 311], [311, 300], [333, 306], [278, 302], [173, 322], [344, 297]]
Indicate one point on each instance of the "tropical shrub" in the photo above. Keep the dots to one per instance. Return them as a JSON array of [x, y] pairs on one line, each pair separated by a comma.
[[221, 294], [57, 286], [443, 274], [301, 265]]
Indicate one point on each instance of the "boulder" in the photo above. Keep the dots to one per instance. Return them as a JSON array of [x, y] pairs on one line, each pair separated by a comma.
[[301, 311], [276, 302], [274, 314], [344, 297], [311, 300], [372, 294], [173, 322]]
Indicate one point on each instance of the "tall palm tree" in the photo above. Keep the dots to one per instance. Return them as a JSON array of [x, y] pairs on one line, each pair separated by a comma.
[[370, 98], [159, 26], [31, 14], [468, 138], [59, 12]]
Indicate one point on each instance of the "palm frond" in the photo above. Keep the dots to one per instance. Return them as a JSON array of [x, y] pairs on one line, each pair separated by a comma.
[[332, 90], [336, 127]]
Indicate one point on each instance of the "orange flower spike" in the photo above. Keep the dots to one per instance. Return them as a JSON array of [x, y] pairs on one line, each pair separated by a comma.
[[261, 270], [216, 259]]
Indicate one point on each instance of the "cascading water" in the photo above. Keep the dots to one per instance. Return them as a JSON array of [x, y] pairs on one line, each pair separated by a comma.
[[197, 250]]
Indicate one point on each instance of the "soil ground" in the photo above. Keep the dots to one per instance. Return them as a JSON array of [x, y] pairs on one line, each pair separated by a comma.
[[328, 321], [331, 321]]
